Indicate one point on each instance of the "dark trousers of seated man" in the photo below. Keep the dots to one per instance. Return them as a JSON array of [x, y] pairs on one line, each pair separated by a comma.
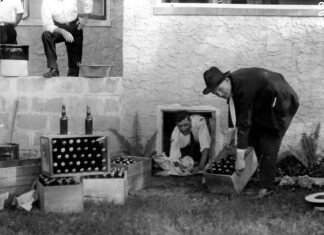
[[266, 143], [74, 49], [8, 34], [192, 150]]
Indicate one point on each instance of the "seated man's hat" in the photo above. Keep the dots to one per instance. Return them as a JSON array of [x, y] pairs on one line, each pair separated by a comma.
[[213, 78]]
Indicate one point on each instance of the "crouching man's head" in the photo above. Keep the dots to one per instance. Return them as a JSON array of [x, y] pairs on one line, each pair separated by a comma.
[[183, 122]]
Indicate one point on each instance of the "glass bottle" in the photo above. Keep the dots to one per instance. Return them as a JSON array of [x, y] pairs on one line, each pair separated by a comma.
[[63, 122], [88, 122]]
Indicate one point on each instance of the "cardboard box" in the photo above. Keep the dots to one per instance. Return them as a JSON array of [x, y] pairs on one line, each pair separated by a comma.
[[112, 190], [63, 198], [139, 173], [217, 183], [74, 155]]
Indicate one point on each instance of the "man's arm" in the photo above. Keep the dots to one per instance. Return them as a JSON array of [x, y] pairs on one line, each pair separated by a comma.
[[18, 18], [88, 7]]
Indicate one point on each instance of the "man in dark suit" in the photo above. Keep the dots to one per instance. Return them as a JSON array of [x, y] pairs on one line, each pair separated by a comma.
[[262, 105]]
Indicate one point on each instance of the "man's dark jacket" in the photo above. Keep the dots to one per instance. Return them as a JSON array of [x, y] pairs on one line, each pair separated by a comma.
[[263, 99]]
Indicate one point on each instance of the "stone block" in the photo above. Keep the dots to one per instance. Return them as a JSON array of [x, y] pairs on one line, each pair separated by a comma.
[[35, 84], [51, 105], [31, 121], [4, 84], [108, 84], [111, 106], [65, 85]]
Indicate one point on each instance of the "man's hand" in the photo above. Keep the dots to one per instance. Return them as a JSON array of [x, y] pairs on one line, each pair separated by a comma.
[[240, 163], [197, 169], [67, 36], [82, 22]]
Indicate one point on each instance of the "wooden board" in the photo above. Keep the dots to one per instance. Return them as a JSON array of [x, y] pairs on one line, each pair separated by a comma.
[[139, 173], [218, 183], [112, 190], [65, 198], [18, 176]]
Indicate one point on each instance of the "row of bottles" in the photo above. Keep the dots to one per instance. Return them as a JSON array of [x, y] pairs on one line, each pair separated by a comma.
[[64, 122], [48, 181], [114, 173]]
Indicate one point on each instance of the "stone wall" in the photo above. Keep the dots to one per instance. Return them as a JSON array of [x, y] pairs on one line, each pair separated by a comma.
[[165, 57], [102, 45], [40, 102]]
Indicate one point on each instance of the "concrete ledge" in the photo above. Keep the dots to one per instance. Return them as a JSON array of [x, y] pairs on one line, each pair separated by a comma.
[[237, 10]]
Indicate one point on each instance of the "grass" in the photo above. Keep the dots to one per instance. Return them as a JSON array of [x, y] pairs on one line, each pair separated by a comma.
[[177, 206]]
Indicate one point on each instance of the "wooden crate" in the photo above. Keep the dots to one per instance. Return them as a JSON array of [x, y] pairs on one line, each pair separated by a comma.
[[74, 155], [217, 183], [139, 173], [112, 190], [63, 198], [18, 176]]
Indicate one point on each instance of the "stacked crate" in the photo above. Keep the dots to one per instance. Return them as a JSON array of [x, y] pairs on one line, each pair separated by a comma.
[[69, 156], [139, 171]]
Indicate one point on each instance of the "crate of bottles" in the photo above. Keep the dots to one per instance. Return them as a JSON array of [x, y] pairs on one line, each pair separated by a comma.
[[74, 155], [111, 188], [60, 194], [221, 177], [139, 171]]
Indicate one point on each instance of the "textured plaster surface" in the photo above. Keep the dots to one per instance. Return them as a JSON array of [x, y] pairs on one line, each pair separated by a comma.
[[101, 45], [165, 57]]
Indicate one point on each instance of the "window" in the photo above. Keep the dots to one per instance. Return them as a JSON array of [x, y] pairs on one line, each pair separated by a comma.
[[313, 8], [99, 17], [280, 2]]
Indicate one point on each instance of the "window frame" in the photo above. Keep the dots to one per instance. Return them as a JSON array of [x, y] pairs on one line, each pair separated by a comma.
[[93, 20], [215, 9]]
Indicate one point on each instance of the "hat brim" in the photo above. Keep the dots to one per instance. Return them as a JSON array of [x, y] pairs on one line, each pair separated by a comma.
[[207, 90]]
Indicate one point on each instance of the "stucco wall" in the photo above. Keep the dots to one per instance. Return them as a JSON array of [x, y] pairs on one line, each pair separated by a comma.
[[102, 45], [165, 56]]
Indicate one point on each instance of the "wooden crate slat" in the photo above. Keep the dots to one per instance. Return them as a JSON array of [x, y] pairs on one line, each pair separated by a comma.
[[65, 198], [139, 173], [10, 172], [17, 190], [112, 190], [17, 181], [16, 163]]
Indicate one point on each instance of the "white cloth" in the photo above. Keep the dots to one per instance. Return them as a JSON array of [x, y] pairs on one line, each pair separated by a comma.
[[232, 111], [200, 133], [61, 11], [9, 9]]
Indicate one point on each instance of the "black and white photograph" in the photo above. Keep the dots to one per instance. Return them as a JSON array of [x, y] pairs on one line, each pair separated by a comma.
[[161, 117]]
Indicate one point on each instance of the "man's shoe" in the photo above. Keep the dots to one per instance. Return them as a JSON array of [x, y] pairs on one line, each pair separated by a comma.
[[51, 73]]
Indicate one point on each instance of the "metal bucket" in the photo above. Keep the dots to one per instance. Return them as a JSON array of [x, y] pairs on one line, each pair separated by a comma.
[[9, 151]]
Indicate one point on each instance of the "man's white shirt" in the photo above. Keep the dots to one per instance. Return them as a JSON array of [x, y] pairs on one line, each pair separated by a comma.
[[9, 9], [200, 133], [61, 11]]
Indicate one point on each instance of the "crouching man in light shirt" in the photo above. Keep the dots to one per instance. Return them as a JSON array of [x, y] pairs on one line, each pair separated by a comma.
[[11, 12], [62, 24], [190, 141]]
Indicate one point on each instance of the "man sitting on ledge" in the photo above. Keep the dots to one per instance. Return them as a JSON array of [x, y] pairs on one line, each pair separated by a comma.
[[61, 24], [190, 141]]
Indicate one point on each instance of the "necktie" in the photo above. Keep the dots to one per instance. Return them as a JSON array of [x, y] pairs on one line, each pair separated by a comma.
[[232, 111]]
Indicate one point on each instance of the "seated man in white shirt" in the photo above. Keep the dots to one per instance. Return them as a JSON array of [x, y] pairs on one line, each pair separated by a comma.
[[190, 139], [11, 12], [61, 24]]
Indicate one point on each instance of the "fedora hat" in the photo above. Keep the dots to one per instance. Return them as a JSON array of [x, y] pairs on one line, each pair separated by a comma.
[[213, 78]]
